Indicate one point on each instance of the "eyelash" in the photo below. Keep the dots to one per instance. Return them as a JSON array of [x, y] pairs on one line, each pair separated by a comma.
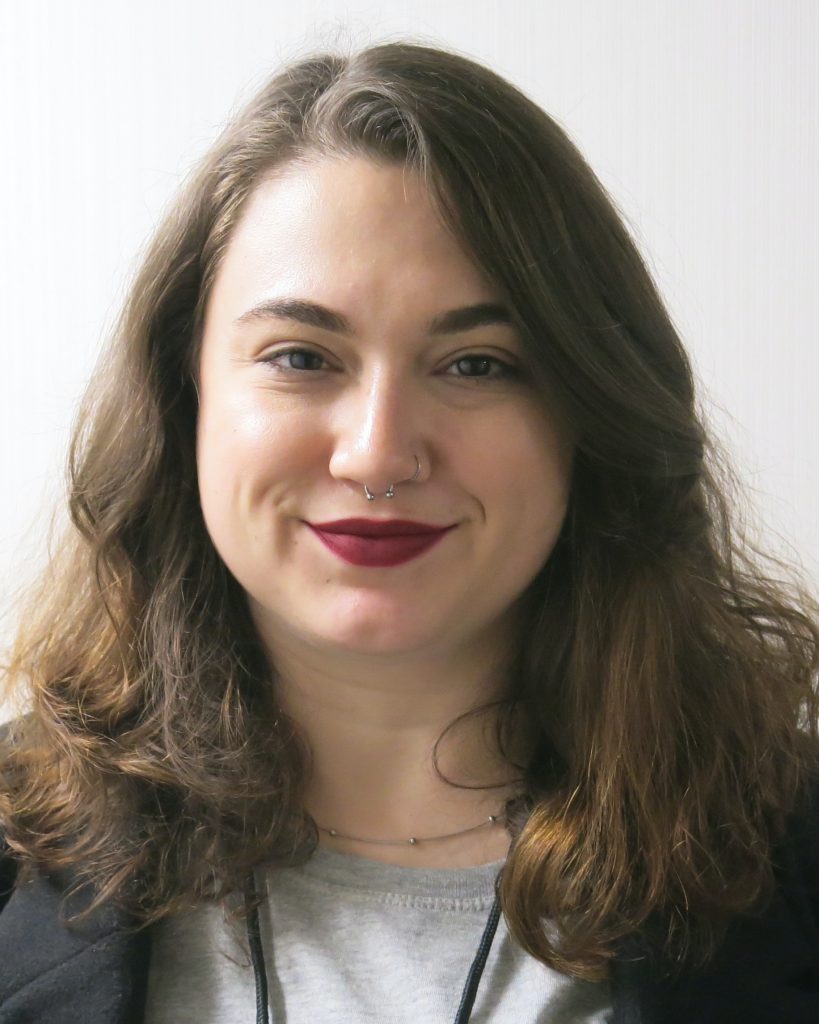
[[507, 370]]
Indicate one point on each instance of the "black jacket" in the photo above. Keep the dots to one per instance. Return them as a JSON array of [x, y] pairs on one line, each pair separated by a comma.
[[767, 971]]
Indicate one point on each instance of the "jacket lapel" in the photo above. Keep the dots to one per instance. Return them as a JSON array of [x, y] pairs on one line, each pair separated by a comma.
[[96, 972]]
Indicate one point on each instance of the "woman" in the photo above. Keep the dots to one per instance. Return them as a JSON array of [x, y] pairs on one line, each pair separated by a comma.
[[401, 661]]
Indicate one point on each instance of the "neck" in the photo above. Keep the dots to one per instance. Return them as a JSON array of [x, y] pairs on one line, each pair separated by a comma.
[[372, 725]]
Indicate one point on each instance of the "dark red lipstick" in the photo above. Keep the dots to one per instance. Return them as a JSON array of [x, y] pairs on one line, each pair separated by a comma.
[[378, 542]]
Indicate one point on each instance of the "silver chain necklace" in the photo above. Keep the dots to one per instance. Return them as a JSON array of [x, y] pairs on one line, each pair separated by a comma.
[[413, 840]]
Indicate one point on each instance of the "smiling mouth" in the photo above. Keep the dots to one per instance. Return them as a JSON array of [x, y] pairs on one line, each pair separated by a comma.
[[379, 552]]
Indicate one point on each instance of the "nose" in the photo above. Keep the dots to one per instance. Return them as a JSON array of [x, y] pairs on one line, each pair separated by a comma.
[[377, 434]]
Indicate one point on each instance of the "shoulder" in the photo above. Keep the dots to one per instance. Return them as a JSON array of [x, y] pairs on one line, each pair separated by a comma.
[[49, 971], [766, 970]]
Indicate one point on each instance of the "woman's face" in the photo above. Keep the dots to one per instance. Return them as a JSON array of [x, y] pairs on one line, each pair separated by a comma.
[[299, 411]]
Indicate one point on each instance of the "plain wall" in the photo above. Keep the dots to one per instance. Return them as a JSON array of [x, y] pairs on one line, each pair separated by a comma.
[[699, 117]]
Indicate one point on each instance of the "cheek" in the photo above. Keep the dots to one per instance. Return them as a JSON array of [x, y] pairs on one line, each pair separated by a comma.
[[234, 431], [226, 439], [231, 438], [530, 482], [249, 453], [526, 456]]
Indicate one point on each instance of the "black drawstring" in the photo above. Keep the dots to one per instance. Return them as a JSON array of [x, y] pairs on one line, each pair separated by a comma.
[[473, 979], [254, 937], [478, 964]]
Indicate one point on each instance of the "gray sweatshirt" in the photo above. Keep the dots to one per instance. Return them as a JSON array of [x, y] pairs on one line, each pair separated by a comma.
[[349, 940]]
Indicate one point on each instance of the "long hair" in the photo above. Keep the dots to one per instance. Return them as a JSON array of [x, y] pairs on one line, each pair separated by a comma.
[[671, 683]]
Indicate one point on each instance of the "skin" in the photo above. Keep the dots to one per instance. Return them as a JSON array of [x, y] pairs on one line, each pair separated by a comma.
[[373, 663]]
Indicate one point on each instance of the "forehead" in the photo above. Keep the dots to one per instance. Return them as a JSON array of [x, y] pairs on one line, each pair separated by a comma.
[[338, 194], [352, 230]]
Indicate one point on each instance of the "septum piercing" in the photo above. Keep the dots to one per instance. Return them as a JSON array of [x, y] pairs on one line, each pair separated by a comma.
[[390, 492]]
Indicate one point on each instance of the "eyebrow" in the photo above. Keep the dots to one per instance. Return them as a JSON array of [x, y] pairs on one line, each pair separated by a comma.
[[313, 314]]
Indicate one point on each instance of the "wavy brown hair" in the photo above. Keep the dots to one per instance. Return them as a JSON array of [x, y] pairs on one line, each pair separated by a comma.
[[670, 679]]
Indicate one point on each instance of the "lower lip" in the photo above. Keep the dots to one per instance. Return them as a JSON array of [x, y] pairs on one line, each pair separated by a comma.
[[378, 552]]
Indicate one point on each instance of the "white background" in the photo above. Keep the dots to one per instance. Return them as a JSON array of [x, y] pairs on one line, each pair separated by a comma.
[[699, 116]]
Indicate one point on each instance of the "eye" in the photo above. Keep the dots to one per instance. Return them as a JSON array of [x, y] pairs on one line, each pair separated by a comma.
[[298, 359], [481, 367]]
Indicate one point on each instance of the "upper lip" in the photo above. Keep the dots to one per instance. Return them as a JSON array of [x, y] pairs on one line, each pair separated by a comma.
[[378, 527]]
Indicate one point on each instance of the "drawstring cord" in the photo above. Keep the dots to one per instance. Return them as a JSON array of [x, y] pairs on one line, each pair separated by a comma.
[[478, 964], [254, 936]]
